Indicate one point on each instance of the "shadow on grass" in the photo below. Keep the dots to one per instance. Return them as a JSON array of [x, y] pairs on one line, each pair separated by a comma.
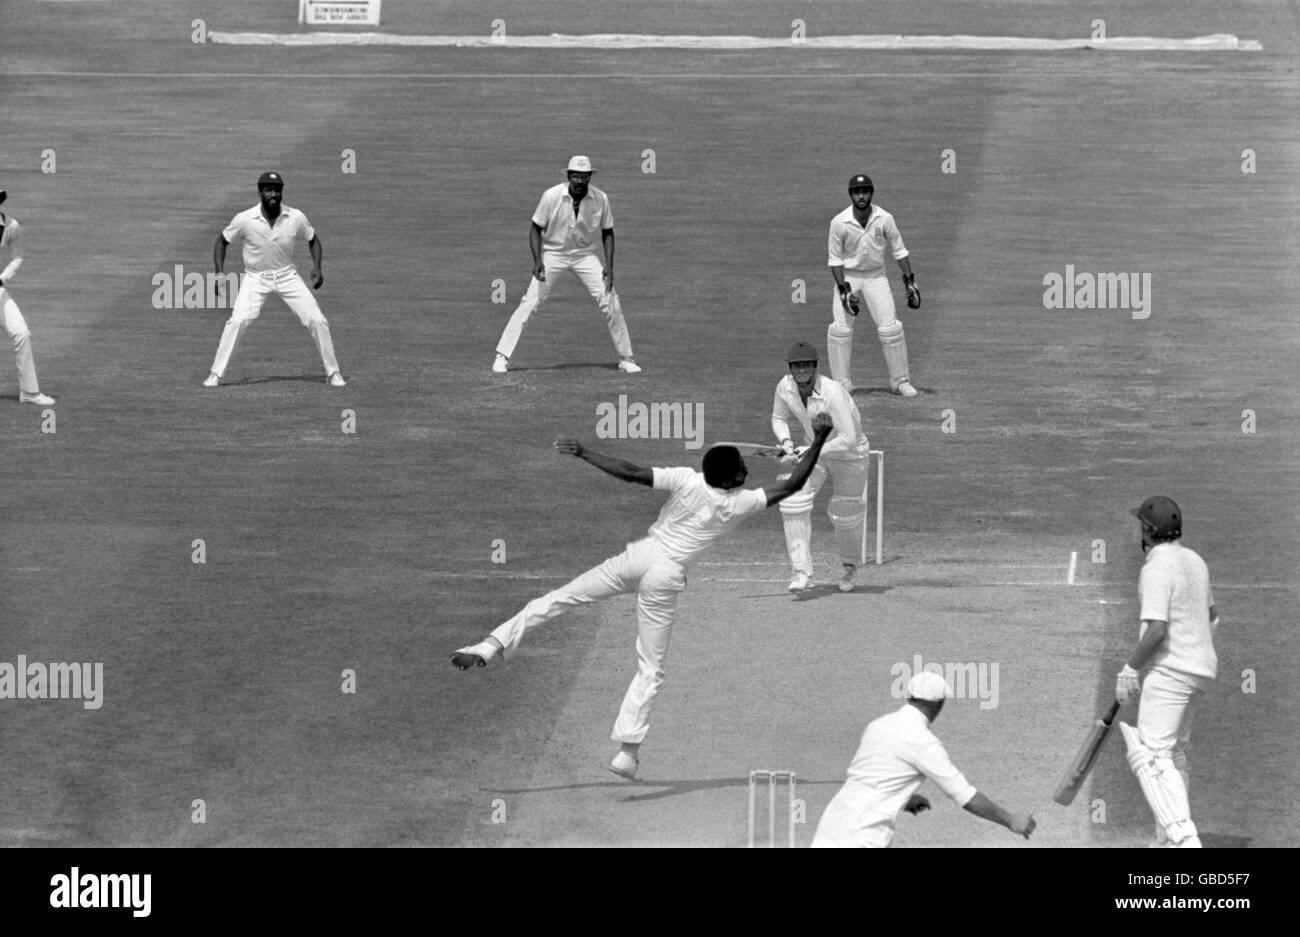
[[662, 789], [570, 366], [276, 379]]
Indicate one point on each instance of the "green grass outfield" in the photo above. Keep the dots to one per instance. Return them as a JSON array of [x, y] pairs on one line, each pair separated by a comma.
[[372, 551]]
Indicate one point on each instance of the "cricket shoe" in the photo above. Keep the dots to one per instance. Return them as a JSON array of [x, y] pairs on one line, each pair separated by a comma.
[[336, 380], [211, 380], [624, 765], [476, 655], [41, 400], [905, 389], [630, 366], [846, 577], [501, 365], [801, 582]]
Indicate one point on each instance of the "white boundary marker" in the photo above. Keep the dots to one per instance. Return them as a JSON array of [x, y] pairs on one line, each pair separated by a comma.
[[1074, 562], [1219, 42]]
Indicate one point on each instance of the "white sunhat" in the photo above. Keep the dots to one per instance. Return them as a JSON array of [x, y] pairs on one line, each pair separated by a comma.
[[579, 164], [928, 685]]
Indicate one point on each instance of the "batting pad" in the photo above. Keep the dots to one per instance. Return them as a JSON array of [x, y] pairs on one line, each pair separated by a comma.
[[848, 505], [894, 345], [1162, 785], [839, 350], [798, 535]]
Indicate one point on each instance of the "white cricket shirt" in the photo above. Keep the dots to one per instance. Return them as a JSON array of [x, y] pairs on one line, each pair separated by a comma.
[[568, 234], [268, 247], [11, 238], [860, 249], [697, 514], [827, 397], [1174, 587], [898, 752]]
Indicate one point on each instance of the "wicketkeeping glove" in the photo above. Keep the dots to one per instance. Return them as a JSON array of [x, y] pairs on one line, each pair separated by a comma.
[[913, 292], [849, 300]]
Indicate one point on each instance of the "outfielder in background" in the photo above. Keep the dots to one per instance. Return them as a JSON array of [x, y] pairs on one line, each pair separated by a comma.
[[800, 396], [859, 236], [897, 753], [1177, 640], [11, 241], [268, 232], [701, 508], [563, 236]]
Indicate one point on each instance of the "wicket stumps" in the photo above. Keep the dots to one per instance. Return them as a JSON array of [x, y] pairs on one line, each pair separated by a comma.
[[879, 455], [773, 778]]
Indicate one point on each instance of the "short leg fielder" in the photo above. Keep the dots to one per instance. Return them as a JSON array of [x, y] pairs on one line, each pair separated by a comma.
[[16, 326], [657, 581], [875, 294], [590, 271], [1157, 754], [248, 306]]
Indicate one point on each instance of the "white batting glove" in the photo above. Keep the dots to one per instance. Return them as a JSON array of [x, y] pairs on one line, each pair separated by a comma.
[[1128, 685]]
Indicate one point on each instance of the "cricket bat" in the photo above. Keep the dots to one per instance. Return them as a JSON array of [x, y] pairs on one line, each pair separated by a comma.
[[1084, 760]]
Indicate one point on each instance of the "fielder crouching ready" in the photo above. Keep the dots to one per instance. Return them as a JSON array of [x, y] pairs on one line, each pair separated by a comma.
[[897, 753], [701, 508], [1176, 640], [268, 232], [800, 396]]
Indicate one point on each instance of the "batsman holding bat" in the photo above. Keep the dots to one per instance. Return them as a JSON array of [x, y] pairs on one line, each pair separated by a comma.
[[11, 242], [1177, 641], [801, 395], [859, 238]]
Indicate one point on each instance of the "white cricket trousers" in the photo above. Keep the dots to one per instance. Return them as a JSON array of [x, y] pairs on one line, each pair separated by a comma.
[[657, 579], [589, 269], [248, 306], [1167, 706], [875, 292], [17, 329]]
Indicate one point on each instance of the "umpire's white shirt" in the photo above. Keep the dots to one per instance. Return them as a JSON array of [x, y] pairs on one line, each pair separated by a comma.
[[568, 234], [1174, 587], [697, 514], [897, 753], [860, 249], [268, 247], [827, 397]]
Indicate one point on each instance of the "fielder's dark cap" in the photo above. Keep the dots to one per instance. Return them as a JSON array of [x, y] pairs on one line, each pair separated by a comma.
[[1159, 513], [270, 178], [801, 351], [861, 181]]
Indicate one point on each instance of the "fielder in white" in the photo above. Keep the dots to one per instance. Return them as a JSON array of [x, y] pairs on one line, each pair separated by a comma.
[[572, 229], [11, 241], [268, 232], [859, 237], [897, 754], [701, 509], [800, 396], [1177, 639]]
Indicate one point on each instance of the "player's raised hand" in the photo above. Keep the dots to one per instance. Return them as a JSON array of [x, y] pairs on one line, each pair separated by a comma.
[[568, 446], [822, 424], [317, 278], [1022, 825]]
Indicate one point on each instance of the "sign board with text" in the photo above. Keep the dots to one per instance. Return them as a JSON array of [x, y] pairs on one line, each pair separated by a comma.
[[338, 12]]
